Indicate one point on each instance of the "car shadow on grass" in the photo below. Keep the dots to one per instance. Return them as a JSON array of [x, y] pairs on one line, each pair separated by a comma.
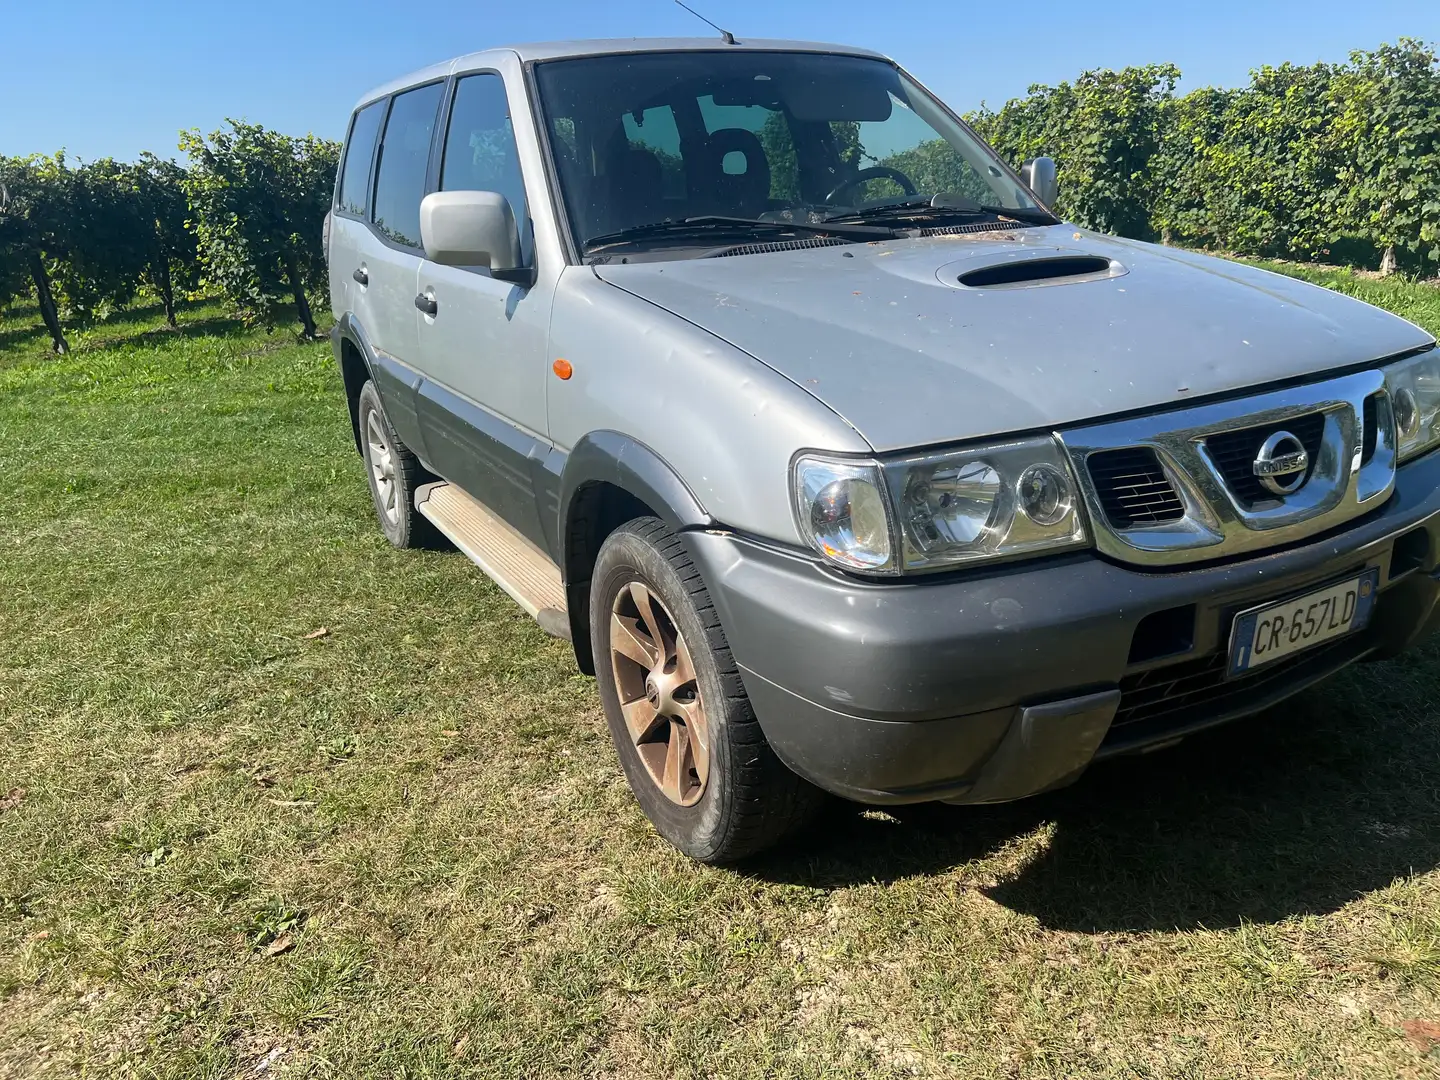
[[1296, 811]]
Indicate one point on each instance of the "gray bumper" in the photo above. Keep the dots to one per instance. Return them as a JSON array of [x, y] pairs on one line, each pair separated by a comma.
[[998, 685]]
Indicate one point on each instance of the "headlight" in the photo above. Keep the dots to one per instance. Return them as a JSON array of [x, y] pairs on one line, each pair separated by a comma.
[[990, 502], [1414, 387], [840, 508], [939, 510]]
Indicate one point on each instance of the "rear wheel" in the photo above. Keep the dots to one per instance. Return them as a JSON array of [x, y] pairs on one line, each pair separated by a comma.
[[687, 737], [394, 473]]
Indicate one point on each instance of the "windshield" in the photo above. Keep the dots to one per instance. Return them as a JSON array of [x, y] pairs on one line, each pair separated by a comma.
[[653, 137]]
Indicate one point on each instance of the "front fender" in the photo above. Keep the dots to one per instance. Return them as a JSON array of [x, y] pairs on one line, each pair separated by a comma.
[[610, 457], [606, 478]]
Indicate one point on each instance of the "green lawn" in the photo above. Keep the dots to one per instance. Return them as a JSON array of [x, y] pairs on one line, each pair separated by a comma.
[[402, 848]]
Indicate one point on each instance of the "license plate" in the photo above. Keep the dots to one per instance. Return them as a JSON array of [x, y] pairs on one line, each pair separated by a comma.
[[1275, 631]]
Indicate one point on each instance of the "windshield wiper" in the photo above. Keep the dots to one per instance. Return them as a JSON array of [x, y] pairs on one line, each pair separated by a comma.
[[707, 224], [925, 207]]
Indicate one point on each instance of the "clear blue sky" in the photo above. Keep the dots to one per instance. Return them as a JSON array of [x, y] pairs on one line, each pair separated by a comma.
[[101, 77]]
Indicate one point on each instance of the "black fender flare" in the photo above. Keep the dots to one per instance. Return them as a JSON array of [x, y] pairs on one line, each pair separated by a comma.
[[346, 329], [620, 461]]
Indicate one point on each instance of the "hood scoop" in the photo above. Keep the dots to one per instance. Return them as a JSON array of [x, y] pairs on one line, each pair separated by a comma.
[[1029, 268]]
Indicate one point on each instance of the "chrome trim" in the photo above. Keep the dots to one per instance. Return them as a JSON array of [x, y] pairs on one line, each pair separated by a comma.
[[1280, 474], [1216, 524]]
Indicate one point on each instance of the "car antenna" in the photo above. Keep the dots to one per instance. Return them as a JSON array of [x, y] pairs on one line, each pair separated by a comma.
[[729, 37]]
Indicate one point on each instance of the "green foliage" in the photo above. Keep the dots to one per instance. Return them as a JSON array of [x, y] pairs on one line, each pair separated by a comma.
[[1268, 170], [258, 199], [34, 229], [107, 238], [935, 166], [1392, 99], [85, 237], [160, 185], [1338, 161], [1104, 130], [779, 146]]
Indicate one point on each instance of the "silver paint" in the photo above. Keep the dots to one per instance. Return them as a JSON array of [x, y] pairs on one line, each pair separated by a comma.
[[911, 360], [723, 421]]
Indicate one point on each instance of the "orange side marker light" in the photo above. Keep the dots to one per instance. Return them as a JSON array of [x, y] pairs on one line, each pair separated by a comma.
[[562, 368]]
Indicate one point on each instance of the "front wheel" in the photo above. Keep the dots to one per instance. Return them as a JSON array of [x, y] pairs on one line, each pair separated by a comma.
[[687, 737]]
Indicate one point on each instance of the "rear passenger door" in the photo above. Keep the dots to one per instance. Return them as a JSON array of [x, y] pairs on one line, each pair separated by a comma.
[[388, 253], [483, 352], [350, 215]]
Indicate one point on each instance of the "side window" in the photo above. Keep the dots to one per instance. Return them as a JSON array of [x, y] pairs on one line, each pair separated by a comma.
[[359, 153], [480, 150], [404, 160]]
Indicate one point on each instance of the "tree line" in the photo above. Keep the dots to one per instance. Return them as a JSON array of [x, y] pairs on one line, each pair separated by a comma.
[[242, 215], [1337, 162]]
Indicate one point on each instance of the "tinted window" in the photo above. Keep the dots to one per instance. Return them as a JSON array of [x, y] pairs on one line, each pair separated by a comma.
[[480, 151], [404, 158], [359, 152]]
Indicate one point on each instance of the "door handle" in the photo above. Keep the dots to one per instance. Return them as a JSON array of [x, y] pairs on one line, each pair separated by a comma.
[[427, 304], [361, 276]]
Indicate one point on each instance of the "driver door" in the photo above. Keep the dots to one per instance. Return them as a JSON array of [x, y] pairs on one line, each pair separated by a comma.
[[483, 351]]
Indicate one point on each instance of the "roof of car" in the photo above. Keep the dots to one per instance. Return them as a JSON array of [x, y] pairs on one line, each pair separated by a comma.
[[554, 50]]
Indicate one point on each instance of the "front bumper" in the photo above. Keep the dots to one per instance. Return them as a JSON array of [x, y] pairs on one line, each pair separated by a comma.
[[1002, 684]]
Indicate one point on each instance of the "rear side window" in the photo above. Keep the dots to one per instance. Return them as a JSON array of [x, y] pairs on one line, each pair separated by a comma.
[[480, 151], [404, 161], [359, 152]]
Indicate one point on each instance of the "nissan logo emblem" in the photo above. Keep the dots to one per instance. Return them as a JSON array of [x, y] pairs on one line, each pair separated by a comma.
[[1281, 464]]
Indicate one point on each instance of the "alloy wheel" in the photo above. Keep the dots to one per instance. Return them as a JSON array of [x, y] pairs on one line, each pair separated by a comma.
[[382, 467], [659, 694]]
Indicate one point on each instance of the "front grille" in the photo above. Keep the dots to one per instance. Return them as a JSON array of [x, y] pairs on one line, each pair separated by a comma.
[[1181, 695], [1134, 490], [779, 245], [1234, 454]]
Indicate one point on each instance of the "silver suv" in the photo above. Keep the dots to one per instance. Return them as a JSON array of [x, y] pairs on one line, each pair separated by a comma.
[[844, 464]]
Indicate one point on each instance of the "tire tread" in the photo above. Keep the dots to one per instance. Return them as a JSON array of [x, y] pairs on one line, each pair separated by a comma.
[[771, 802]]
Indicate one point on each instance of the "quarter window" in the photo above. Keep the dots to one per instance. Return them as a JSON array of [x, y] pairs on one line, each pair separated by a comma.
[[359, 153], [404, 162], [480, 150]]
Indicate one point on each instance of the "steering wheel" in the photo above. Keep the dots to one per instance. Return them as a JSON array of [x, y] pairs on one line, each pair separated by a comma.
[[874, 172]]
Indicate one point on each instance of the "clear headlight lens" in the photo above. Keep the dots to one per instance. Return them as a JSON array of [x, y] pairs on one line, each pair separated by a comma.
[[840, 508], [938, 510], [1414, 387], [989, 502]]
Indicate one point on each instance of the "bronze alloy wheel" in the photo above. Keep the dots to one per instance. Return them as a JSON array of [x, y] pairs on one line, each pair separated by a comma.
[[659, 694]]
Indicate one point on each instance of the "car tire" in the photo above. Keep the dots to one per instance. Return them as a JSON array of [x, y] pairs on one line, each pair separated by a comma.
[[395, 474], [682, 724]]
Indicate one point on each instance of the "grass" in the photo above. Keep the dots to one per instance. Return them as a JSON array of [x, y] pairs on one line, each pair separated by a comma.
[[233, 847]]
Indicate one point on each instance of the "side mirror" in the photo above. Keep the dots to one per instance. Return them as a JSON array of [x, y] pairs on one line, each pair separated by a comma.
[[470, 228], [1039, 176]]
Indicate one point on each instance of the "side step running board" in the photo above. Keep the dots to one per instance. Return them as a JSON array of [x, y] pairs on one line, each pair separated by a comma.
[[512, 562]]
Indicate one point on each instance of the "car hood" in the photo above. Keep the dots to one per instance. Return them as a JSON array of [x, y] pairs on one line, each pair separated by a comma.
[[887, 336]]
